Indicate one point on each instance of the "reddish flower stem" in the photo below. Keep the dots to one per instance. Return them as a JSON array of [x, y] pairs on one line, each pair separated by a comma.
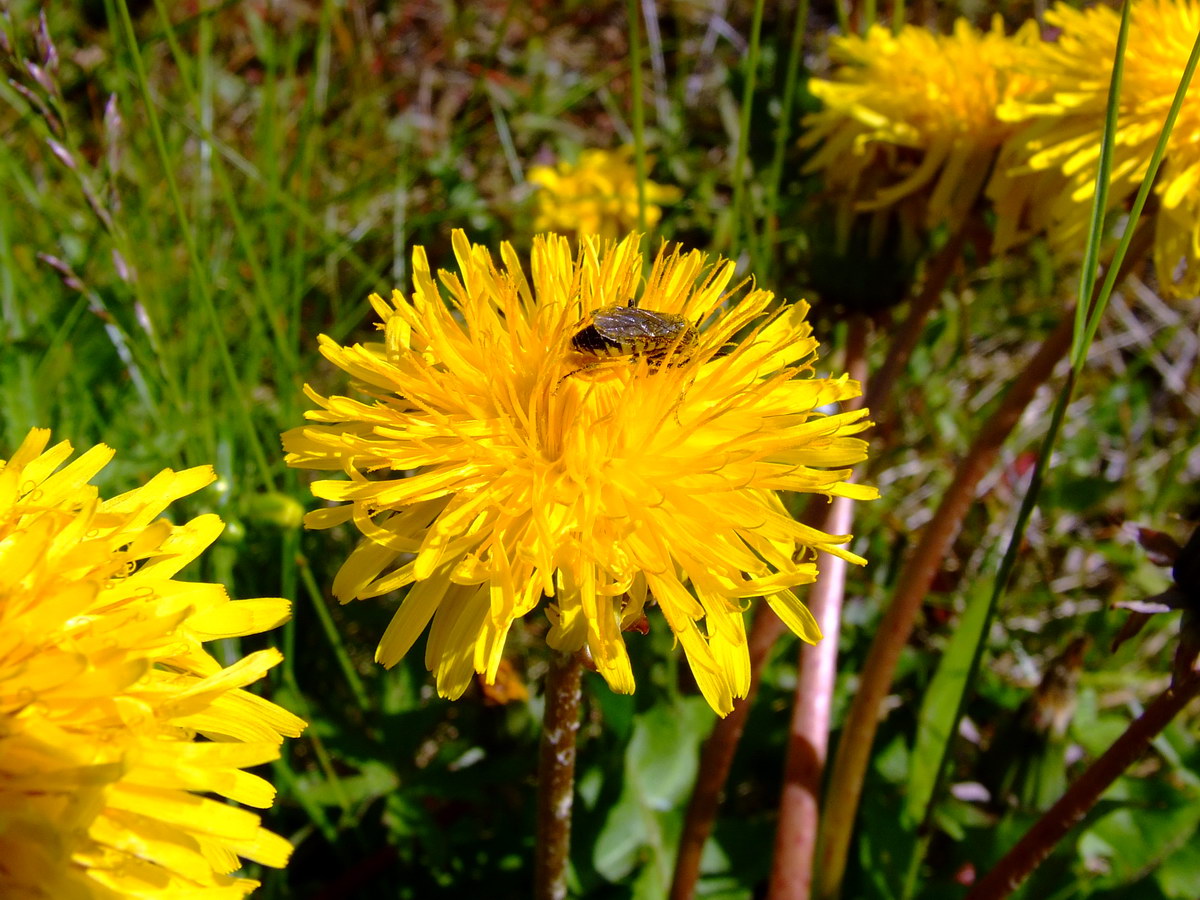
[[716, 757], [893, 632], [808, 740], [556, 777], [1082, 795]]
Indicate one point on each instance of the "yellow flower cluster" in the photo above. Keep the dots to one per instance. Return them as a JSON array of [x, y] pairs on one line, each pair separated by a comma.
[[105, 690], [915, 112], [1065, 116], [598, 195], [495, 464]]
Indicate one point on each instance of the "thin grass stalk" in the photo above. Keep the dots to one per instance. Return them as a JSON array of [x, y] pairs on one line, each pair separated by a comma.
[[1139, 203], [268, 309], [556, 777], [241, 398], [870, 14], [716, 758], [858, 735], [841, 9], [783, 129], [1084, 792], [808, 737], [300, 175], [329, 769], [639, 111], [288, 785], [1095, 232], [52, 124], [743, 141], [333, 635], [658, 66]]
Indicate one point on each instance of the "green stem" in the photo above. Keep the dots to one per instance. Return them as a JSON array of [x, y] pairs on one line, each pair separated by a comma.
[[743, 142], [332, 634], [783, 129], [639, 110]]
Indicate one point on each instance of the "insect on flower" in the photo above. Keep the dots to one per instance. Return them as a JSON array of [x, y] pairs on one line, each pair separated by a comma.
[[629, 332], [665, 483]]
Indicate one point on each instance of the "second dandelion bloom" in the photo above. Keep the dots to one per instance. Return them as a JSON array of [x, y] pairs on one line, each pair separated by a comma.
[[121, 736], [598, 195], [1064, 120], [524, 442], [913, 113]]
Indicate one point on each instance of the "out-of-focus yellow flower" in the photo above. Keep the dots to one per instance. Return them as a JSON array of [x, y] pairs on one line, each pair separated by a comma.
[[105, 687], [915, 112], [1066, 119], [598, 195], [513, 446]]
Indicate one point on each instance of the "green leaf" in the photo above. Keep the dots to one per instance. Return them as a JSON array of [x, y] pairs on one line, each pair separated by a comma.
[[1177, 876], [940, 705], [660, 767], [1131, 841]]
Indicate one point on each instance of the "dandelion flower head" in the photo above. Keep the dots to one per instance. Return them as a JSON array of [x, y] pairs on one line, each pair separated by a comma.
[[1066, 114], [915, 112], [493, 464], [116, 725], [597, 195]]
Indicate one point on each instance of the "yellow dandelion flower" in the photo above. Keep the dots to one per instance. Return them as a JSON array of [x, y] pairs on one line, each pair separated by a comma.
[[105, 687], [1066, 119], [598, 195], [545, 440], [915, 112]]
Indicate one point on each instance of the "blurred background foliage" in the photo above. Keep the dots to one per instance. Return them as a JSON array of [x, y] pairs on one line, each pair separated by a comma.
[[192, 192]]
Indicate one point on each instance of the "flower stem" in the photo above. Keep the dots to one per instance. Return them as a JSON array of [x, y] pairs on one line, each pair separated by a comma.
[[854, 748], [741, 153], [556, 777], [1082, 795], [716, 757], [782, 132], [639, 109], [808, 741]]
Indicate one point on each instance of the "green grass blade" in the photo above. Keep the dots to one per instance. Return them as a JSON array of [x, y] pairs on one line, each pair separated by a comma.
[[639, 109], [1095, 232], [937, 721], [1139, 203], [506, 142], [743, 141], [783, 132], [330, 629]]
